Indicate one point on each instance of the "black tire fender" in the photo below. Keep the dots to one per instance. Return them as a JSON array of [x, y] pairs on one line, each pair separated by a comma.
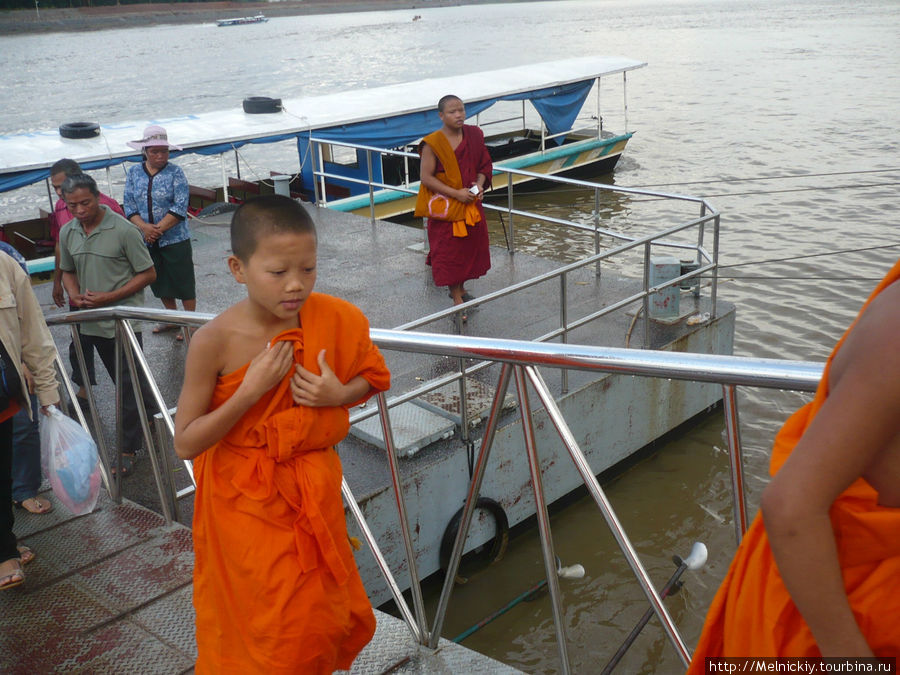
[[498, 545], [79, 130], [258, 105]]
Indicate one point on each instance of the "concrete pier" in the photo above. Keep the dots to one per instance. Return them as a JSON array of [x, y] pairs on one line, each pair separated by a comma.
[[380, 268]]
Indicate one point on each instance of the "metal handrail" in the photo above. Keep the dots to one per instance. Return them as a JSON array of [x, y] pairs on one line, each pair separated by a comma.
[[521, 359], [707, 260], [498, 168]]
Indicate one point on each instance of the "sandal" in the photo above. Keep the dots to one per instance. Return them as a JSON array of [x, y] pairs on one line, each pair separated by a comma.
[[36, 505], [14, 578], [165, 327], [25, 553], [466, 296], [127, 465]]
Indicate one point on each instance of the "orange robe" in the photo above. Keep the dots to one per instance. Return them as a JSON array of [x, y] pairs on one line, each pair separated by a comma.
[[276, 588], [752, 614]]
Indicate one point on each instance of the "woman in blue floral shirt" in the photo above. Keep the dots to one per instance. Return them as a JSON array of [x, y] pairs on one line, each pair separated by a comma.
[[156, 200]]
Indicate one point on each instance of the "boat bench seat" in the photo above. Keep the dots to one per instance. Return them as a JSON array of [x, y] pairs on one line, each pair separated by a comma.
[[199, 198], [240, 190], [513, 148]]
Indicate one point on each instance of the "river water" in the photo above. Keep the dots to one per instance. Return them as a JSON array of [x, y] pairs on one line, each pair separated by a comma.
[[785, 115]]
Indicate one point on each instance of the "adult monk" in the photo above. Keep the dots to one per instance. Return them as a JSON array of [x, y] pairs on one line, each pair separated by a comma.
[[818, 572], [456, 168], [267, 390]]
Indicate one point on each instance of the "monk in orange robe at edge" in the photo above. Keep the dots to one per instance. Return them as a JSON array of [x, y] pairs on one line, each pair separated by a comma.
[[267, 391], [818, 571], [456, 168]]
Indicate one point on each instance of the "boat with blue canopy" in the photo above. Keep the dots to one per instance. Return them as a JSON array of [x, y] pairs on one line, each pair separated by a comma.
[[357, 149]]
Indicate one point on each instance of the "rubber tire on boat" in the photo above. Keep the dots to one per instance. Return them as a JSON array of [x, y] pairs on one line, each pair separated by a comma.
[[257, 105], [79, 130], [490, 554]]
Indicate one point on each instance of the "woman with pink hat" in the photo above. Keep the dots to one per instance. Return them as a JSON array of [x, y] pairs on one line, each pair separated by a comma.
[[156, 200]]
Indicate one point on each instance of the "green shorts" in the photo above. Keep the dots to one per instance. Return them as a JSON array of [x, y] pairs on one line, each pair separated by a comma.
[[174, 271]]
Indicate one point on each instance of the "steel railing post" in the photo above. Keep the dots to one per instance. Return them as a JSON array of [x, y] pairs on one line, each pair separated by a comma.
[[543, 519], [736, 460], [120, 431], [593, 486], [597, 228], [646, 298], [167, 468], [321, 193], [224, 178], [421, 632], [713, 291], [380, 560], [371, 186], [564, 325], [509, 207], [135, 354], [112, 486], [465, 522], [464, 430]]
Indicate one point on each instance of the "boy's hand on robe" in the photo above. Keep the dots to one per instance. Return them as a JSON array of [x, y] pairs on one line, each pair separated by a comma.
[[317, 391], [266, 370]]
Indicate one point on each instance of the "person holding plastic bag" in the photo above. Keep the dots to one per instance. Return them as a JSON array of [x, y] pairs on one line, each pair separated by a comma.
[[24, 336], [70, 460]]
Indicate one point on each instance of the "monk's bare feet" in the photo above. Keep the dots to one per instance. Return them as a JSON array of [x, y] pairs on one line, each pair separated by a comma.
[[456, 292]]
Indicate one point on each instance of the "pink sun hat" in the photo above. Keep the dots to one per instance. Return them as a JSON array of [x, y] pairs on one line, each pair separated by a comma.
[[153, 136]]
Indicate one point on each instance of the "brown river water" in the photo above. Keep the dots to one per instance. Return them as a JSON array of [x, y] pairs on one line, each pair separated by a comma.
[[785, 115]]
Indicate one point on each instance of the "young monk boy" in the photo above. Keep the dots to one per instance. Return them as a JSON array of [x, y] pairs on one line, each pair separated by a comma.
[[267, 388], [818, 571]]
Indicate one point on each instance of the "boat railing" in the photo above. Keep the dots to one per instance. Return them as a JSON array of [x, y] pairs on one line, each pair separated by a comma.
[[545, 137], [512, 176], [519, 362]]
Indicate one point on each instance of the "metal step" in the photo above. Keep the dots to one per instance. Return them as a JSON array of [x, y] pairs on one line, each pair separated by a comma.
[[412, 426], [430, 418], [479, 398]]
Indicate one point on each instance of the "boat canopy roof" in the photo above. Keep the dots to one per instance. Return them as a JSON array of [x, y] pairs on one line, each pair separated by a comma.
[[386, 117]]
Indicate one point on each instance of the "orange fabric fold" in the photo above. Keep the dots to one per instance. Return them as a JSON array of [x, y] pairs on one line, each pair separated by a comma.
[[432, 205], [752, 614], [276, 589]]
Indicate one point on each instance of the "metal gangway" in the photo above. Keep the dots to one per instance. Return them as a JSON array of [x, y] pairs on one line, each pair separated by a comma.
[[519, 363]]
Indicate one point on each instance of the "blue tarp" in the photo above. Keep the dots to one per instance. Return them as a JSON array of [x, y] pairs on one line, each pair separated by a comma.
[[558, 106]]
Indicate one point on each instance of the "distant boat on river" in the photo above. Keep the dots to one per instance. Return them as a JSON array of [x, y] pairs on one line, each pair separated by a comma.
[[259, 18]]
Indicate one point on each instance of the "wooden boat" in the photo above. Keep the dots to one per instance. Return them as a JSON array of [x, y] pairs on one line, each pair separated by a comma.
[[259, 18], [358, 147]]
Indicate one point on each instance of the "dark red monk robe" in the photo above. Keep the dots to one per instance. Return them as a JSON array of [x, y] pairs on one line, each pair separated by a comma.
[[454, 259], [276, 588], [752, 614]]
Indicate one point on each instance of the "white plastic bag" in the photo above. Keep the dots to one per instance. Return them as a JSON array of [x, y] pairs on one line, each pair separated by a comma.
[[70, 460]]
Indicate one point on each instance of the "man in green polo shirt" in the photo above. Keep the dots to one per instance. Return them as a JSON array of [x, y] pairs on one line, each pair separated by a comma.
[[104, 262]]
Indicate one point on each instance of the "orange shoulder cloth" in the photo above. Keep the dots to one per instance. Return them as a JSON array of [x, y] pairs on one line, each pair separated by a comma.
[[440, 207]]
